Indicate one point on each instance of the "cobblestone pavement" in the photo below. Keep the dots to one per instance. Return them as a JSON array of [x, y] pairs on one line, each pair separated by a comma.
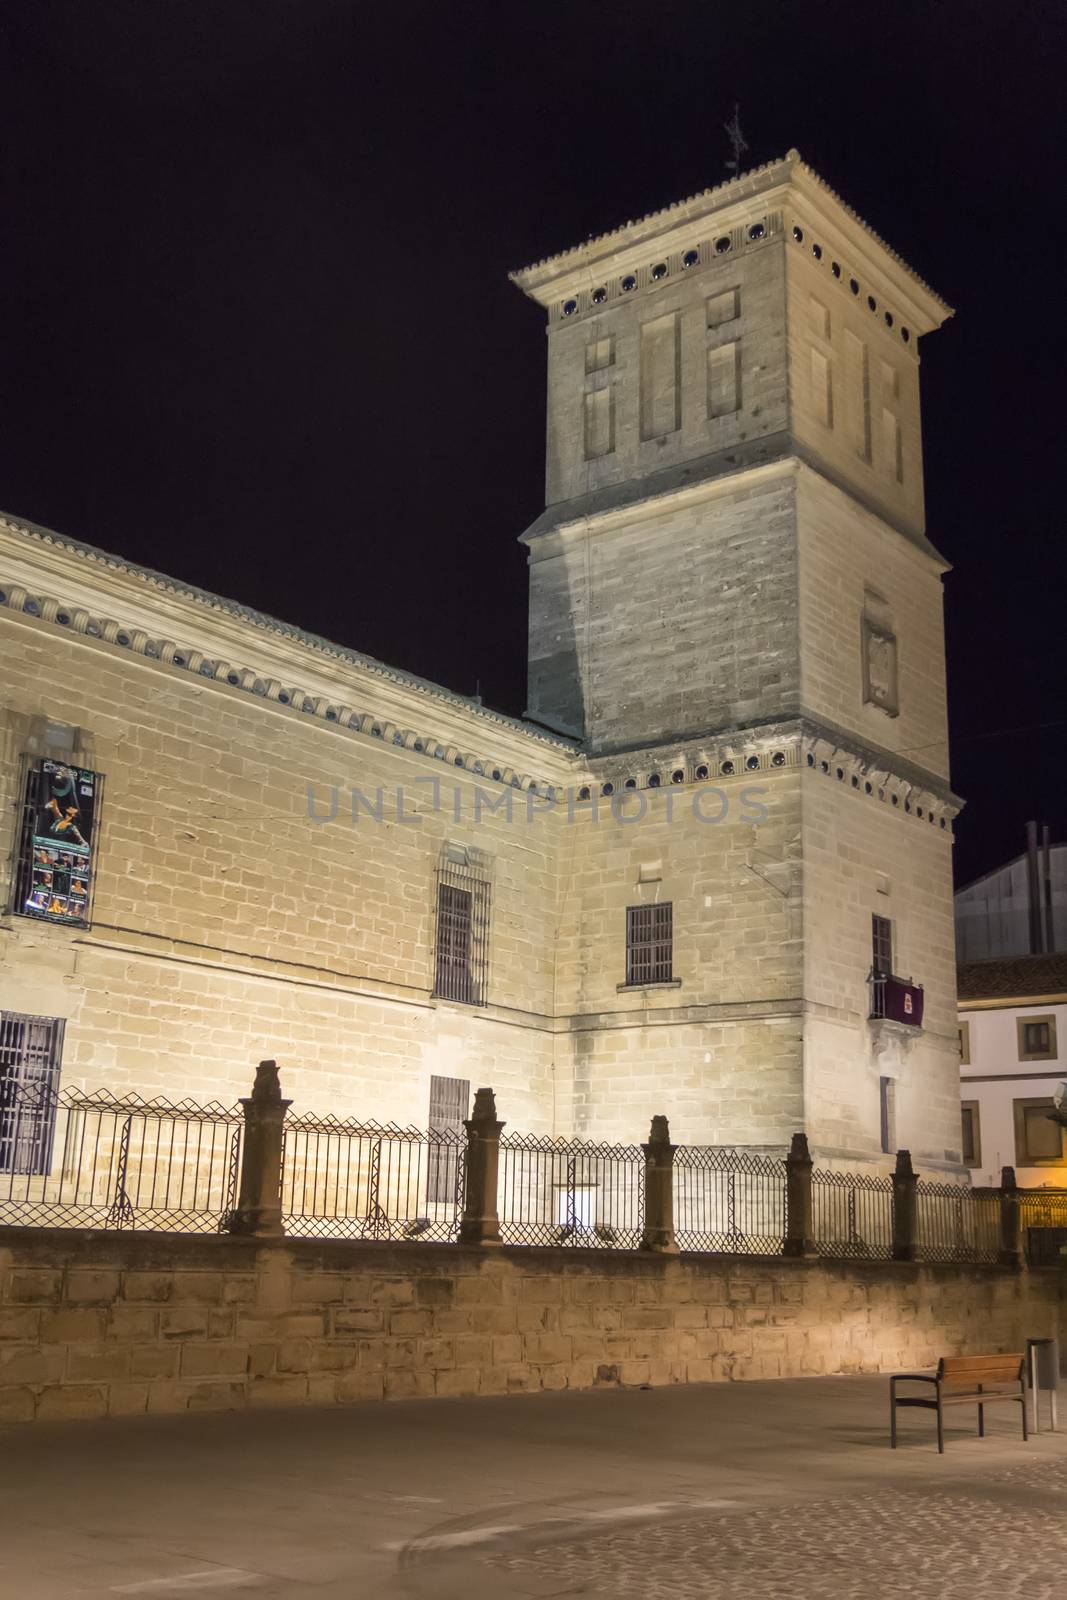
[[1002, 1536]]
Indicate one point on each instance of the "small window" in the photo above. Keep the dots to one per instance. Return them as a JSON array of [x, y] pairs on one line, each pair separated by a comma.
[[1037, 1038], [649, 944], [54, 871], [888, 1113], [972, 1134], [965, 1044], [461, 958], [449, 1102], [1038, 1140], [30, 1050], [881, 946]]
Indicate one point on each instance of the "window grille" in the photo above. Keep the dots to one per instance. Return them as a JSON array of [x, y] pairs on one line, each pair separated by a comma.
[[881, 946], [30, 1049], [449, 1102], [461, 960], [649, 944], [53, 877]]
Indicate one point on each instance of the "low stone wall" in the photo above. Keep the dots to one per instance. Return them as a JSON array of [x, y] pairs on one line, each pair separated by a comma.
[[111, 1324]]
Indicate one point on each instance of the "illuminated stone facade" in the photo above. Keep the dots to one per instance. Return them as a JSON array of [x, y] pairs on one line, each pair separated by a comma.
[[737, 708]]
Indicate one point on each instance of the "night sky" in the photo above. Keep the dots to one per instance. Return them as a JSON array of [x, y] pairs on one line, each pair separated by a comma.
[[258, 333]]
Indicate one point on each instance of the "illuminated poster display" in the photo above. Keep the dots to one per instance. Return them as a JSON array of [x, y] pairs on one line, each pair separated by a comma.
[[56, 866]]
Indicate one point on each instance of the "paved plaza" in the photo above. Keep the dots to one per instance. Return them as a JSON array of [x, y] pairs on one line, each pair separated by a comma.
[[710, 1491]]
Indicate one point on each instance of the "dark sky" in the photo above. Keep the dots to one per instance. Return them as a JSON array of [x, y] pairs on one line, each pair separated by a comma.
[[258, 331]]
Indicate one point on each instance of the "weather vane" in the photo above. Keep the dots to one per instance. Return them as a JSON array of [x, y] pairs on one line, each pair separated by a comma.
[[738, 142]]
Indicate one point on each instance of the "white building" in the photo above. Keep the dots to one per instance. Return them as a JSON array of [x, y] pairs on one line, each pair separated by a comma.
[[1013, 1058]]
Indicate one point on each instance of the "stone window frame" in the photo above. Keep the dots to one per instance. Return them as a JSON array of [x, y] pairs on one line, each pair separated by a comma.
[[975, 1110], [1022, 1155], [1021, 1025], [461, 922], [965, 1043]]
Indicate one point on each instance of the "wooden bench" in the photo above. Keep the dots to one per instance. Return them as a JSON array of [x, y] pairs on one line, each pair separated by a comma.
[[963, 1381]]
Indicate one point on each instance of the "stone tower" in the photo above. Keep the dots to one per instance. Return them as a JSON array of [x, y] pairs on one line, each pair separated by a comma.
[[732, 576]]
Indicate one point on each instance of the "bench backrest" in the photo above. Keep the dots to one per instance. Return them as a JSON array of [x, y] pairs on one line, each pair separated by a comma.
[[967, 1372]]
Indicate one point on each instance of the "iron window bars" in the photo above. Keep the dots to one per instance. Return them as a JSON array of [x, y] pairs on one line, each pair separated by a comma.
[[649, 944], [449, 1103], [30, 1053], [461, 955]]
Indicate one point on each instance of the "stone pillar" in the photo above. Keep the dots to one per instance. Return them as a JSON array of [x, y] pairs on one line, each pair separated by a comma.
[[1011, 1250], [799, 1228], [905, 1208], [259, 1202], [658, 1232], [481, 1219]]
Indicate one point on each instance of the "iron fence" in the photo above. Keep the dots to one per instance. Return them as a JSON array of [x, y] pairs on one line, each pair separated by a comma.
[[79, 1160], [852, 1215], [728, 1200], [353, 1180], [569, 1192], [94, 1160], [954, 1223], [1043, 1216]]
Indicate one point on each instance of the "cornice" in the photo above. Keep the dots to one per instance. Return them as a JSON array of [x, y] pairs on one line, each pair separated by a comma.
[[753, 754], [440, 735], [536, 279], [195, 606], [778, 457]]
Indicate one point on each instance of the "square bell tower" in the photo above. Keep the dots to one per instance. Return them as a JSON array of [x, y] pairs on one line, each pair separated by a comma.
[[696, 360], [731, 582]]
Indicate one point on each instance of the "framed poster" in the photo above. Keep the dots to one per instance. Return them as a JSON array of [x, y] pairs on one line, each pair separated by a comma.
[[55, 872]]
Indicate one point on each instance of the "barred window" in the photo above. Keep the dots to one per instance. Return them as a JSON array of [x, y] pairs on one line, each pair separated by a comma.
[[30, 1050], [649, 944], [54, 867], [449, 1101], [461, 958], [881, 946]]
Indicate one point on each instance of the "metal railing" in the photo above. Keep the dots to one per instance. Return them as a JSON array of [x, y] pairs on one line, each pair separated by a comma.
[[1043, 1217], [729, 1201], [78, 1160], [570, 1192], [94, 1160], [956, 1224], [852, 1215], [353, 1180]]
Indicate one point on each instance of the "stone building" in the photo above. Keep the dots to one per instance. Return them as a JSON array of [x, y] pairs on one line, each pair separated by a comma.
[[669, 887]]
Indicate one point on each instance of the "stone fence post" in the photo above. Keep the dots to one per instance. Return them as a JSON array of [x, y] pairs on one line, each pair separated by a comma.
[[1011, 1253], [481, 1219], [259, 1203], [905, 1208], [799, 1229], [658, 1233]]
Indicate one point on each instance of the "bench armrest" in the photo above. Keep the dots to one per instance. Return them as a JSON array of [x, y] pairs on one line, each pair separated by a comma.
[[913, 1377]]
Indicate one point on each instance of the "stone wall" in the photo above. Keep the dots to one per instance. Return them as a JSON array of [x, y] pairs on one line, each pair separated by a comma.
[[115, 1324]]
